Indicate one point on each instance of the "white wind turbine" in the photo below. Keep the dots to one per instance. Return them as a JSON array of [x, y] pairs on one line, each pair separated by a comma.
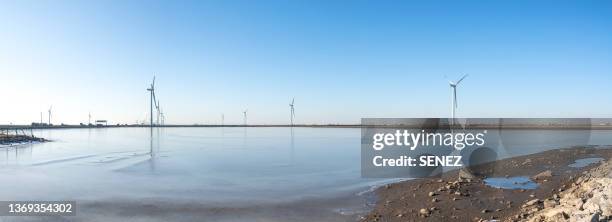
[[159, 112], [50, 107], [245, 116], [292, 110], [153, 103], [453, 86]]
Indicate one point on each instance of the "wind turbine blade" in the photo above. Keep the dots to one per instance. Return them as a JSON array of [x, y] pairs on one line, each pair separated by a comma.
[[461, 79], [292, 101]]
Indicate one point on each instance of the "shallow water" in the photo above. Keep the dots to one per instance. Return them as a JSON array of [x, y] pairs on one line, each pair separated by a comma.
[[218, 165], [579, 163], [238, 168], [513, 183]]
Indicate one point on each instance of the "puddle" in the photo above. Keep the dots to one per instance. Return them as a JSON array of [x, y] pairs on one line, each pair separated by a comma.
[[511, 183], [579, 163]]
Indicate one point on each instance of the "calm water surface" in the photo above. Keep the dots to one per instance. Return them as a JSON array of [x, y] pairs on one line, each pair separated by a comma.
[[221, 166]]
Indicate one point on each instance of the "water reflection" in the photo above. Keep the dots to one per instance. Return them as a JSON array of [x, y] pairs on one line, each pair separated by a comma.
[[16, 154], [154, 147], [292, 147]]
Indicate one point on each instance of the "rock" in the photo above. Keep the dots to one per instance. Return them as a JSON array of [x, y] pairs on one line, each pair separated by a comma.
[[434, 200], [527, 161], [532, 195], [542, 175], [424, 212], [484, 211], [558, 214], [550, 203], [466, 174], [587, 199], [532, 202], [431, 194]]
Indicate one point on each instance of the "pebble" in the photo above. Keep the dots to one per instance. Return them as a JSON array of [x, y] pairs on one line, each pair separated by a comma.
[[431, 194], [434, 200], [550, 203], [424, 212], [532, 202]]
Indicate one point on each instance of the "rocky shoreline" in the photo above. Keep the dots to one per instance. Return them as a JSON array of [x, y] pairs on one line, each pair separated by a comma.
[[588, 198], [462, 195], [8, 139]]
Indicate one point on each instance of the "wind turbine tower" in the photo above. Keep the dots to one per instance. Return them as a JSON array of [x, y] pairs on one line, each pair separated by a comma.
[[453, 86], [292, 110]]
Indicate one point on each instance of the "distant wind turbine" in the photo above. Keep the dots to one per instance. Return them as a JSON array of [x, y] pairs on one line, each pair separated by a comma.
[[162, 116], [245, 116], [158, 112], [292, 110], [50, 107], [222, 119], [453, 86], [154, 102]]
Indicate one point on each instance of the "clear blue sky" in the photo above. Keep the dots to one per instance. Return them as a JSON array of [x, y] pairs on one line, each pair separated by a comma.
[[342, 60]]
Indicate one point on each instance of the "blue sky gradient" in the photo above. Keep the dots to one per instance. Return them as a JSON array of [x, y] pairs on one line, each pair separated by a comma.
[[342, 60]]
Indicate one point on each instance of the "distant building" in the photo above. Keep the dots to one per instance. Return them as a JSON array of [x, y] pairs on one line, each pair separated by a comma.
[[101, 122], [40, 124]]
